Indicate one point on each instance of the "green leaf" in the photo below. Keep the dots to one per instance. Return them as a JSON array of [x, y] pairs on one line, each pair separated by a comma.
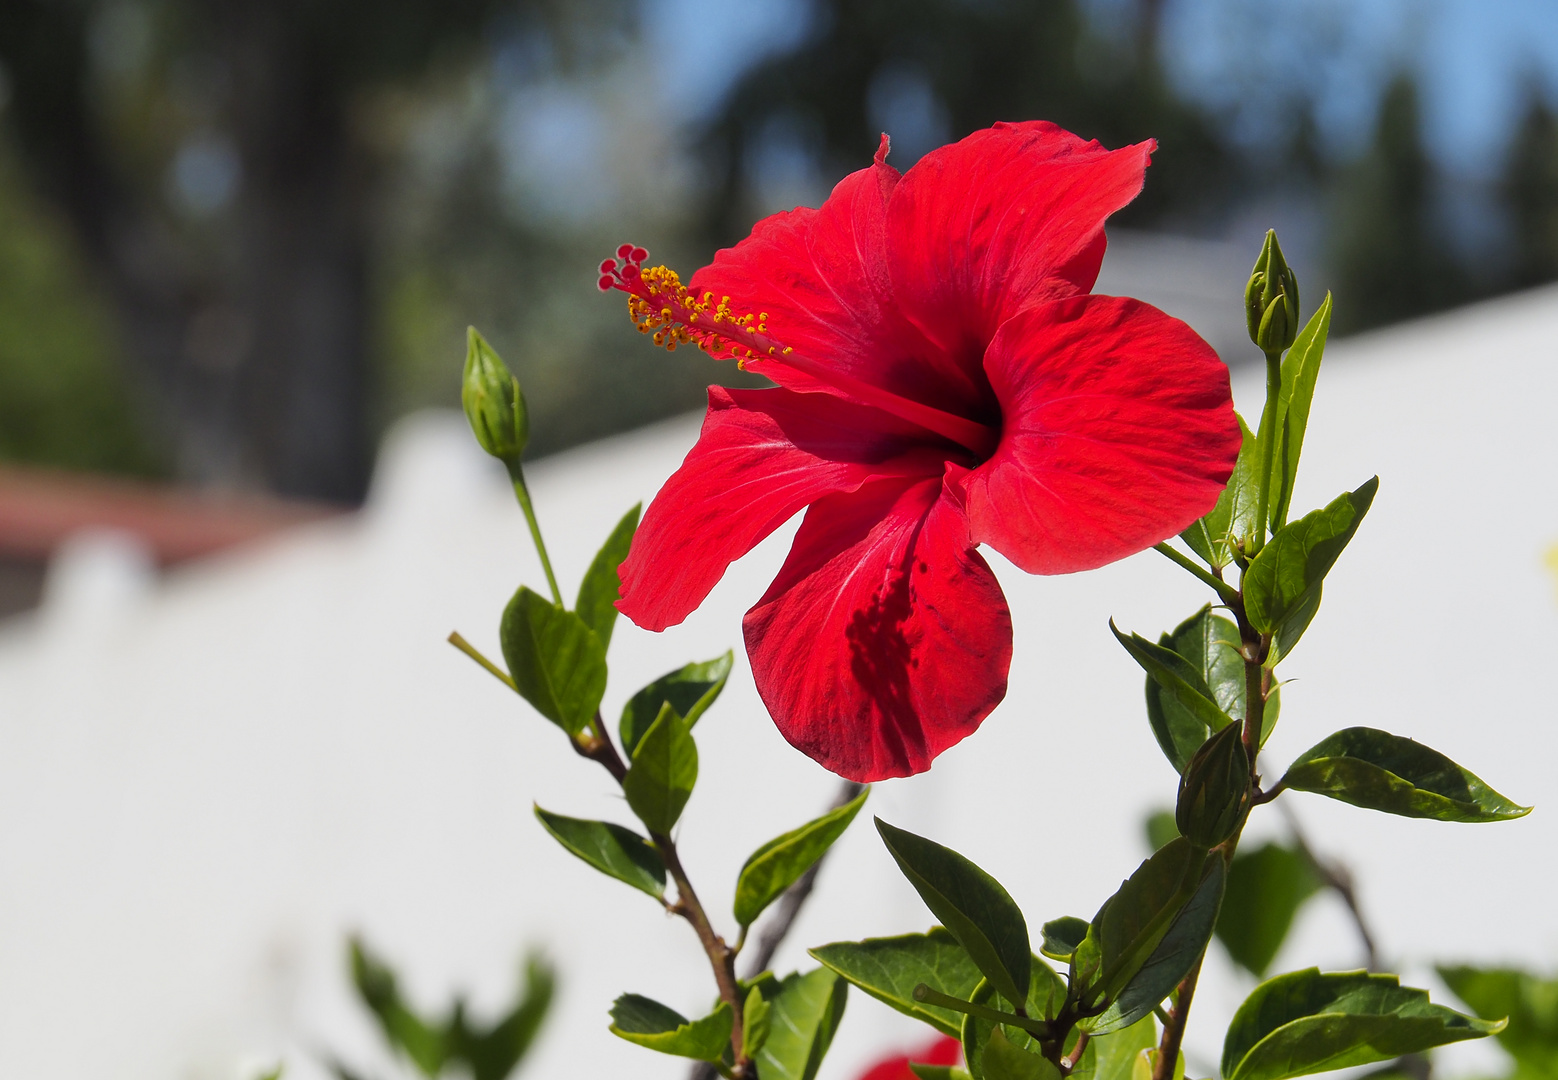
[[806, 1011], [1161, 828], [778, 864], [1210, 644], [601, 587], [1133, 922], [1062, 936], [754, 1023], [1003, 1061], [648, 1023], [494, 1053], [890, 968], [556, 661], [1046, 996], [1305, 1022], [1266, 887], [664, 770], [1114, 1056], [971, 904], [690, 691], [1233, 518], [1291, 567], [1289, 630], [1379, 771], [613, 850], [1178, 681], [1300, 369], [424, 1043], [1530, 1003], [1179, 951]]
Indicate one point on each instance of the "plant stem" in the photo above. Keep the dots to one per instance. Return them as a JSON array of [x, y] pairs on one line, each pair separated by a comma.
[[522, 493], [1224, 591], [475, 654], [721, 956], [1174, 1032], [1267, 437]]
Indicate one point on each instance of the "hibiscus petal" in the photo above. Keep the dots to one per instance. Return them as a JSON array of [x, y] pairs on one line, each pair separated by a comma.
[[821, 277], [761, 456], [1118, 431], [1007, 217], [885, 638]]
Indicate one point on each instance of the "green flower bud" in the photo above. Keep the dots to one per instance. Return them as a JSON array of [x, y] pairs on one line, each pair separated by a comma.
[[1214, 793], [1271, 299], [493, 402]]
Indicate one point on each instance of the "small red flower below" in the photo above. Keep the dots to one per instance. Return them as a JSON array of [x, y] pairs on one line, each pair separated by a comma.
[[944, 380], [944, 1051]]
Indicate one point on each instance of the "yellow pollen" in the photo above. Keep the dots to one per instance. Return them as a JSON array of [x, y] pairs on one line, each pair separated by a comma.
[[673, 316]]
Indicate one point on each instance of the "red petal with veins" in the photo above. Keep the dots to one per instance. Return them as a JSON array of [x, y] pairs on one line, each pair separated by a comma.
[[762, 455], [885, 638], [1118, 432], [1007, 217], [822, 278]]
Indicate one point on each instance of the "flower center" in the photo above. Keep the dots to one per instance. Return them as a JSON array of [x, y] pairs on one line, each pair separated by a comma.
[[659, 304]]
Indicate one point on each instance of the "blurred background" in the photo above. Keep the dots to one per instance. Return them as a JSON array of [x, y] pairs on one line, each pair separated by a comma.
[[239, 238], [240, 241]]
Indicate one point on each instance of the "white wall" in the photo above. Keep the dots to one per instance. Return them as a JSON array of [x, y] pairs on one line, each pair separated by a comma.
[[207, 781]]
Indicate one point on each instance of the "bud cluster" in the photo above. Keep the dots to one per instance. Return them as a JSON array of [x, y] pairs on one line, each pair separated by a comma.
[[1214, 792]]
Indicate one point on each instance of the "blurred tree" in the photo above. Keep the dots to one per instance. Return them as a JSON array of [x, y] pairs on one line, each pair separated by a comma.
[[1530, 195], [934, 70], [207, 156], [64, 398], [1390, 259]]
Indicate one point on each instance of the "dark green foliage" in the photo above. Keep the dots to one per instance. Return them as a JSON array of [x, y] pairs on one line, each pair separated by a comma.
[[1214, 792], [971, 904], [1379, 771], [890, 968], [1131, 924], [1266, 887], [1175, 956], [1306, 1022], [436, 1047]]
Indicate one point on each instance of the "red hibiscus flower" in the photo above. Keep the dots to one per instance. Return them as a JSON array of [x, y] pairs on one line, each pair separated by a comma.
[[944, 380], [944, 1051]]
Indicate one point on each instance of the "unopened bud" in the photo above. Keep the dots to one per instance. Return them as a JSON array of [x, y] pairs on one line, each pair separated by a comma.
[[493, 402], [1214, 793], [1271, 299]]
